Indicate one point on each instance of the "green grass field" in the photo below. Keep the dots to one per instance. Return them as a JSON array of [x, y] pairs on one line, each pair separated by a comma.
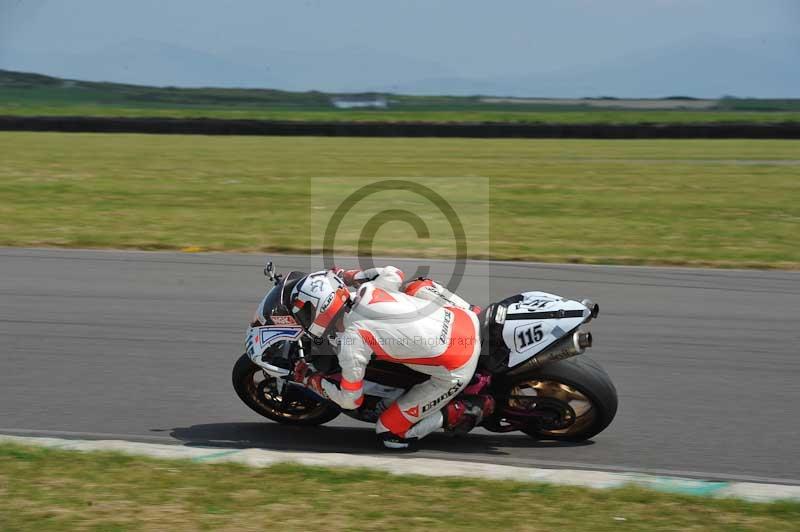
[[61, 490], [697, 202]]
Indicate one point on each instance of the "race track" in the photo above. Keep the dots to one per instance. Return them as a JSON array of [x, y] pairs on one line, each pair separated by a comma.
[[139, 346]]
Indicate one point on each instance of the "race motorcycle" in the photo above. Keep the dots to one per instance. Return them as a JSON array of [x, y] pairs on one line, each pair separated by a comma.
[[531, 362]]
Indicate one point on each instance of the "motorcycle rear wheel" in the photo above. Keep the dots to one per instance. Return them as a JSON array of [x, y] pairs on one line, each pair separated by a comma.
[[577, 394], [263, 398]]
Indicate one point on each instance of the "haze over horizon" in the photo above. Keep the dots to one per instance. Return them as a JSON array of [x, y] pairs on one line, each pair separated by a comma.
[[575, 48]]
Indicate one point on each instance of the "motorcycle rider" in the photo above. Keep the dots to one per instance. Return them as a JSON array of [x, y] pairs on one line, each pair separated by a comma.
[[424, 326]]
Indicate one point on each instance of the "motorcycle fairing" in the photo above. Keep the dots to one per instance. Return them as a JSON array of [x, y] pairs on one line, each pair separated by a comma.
[[259, 339], [529, 323]]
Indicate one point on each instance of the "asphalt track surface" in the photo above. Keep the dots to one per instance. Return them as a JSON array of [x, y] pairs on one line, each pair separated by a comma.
[[139, 346]]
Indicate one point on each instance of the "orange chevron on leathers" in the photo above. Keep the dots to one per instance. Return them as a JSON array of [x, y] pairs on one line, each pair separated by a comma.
[[381, 296]]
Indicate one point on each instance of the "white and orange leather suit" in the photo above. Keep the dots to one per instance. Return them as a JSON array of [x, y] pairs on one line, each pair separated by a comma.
[[425, 327]]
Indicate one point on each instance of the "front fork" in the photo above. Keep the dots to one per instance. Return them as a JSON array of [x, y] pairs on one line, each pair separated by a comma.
[[288, 382]]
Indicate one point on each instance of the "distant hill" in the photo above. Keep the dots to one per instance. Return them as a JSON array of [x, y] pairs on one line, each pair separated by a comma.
[[37, 94], [106, 92]]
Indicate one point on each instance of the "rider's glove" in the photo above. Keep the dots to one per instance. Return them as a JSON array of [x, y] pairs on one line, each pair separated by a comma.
[[302, 374], [347, 276]]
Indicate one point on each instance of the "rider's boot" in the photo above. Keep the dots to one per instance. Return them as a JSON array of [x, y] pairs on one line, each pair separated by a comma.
[[467, 412], [416, 432], [395, 442]]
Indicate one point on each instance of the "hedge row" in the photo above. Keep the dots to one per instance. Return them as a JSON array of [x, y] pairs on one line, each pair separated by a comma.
[[208, 126]]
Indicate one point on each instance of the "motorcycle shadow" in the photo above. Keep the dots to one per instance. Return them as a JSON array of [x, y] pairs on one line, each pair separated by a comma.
[[357, 440]]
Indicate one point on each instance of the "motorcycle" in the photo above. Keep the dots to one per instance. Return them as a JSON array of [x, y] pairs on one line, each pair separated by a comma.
[[532, 362]]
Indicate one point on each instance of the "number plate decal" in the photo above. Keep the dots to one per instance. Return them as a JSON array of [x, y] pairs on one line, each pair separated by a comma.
[[536, 321], [527, 336]]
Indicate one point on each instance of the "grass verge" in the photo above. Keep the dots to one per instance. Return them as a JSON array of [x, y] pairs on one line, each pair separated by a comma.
[[697, 202], [43, 489]]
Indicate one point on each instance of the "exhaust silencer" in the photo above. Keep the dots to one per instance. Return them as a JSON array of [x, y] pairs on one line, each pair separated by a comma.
[[567, 347], [593, 307]]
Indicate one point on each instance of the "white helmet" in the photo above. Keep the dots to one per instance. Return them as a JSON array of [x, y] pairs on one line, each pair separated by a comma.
[[317, 300]]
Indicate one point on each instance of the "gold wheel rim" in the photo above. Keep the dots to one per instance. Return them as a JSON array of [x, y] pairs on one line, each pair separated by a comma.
[[252, 390], [585, 412]]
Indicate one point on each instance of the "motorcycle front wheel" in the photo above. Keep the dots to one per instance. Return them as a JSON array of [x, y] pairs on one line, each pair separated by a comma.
[[260, 392], [573, 400]]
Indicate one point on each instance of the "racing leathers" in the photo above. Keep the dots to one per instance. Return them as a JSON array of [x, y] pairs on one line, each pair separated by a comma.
[[425, 327]]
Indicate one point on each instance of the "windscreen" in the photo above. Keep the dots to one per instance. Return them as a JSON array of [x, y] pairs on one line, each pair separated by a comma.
[[272, 306], [268, 304]]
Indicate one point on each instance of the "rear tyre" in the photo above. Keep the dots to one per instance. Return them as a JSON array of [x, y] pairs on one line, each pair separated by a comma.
[[259, 391], [576, 395]]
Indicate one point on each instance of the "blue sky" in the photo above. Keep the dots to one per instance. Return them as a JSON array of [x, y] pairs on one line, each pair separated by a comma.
[[522, 48]]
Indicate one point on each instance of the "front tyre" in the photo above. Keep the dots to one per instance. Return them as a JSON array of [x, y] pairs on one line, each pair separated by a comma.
[[574, 400], [259, 391]]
